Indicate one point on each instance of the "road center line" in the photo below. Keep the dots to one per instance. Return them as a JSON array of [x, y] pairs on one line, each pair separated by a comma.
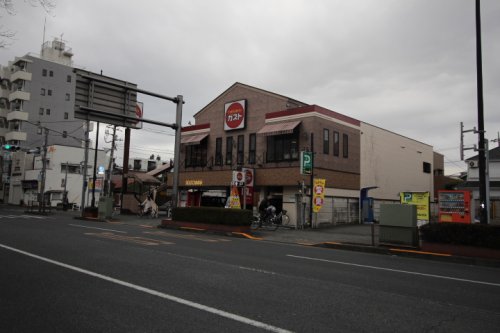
[[395, 270], [104, 229], [175, 299]]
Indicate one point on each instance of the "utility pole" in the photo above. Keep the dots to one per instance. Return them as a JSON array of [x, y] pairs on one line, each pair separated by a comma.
[[65, 194], [41, 199], [84, 167], [94, 179], [110, 165], [483, 206], [311, 181]]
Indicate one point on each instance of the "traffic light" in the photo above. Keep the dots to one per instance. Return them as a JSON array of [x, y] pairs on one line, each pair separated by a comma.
[[9, 147]]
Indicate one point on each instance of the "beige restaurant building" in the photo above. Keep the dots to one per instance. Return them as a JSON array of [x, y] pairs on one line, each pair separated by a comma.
[[262, 134]]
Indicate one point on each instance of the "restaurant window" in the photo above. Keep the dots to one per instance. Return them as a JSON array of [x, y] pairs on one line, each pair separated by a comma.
[[240, 156], [196, 155], [345, 145], [229, 150], [336, 143], [218, 151], [326, 141], [252, 148], [282, 147]]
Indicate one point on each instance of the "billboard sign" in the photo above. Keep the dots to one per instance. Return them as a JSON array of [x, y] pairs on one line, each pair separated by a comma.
[[112, 97], [235, 115], [421, 200]]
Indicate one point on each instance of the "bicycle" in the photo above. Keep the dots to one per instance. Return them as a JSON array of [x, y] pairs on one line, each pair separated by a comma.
[[153, 213], [270, 222]]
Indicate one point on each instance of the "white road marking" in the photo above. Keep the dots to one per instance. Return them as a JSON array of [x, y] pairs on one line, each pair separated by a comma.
[[171, 298], [24, 217], [396, 270], [87, 227]]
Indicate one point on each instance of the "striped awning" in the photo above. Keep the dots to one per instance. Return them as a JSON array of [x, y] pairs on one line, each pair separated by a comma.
[[193, 139], [278, 128]]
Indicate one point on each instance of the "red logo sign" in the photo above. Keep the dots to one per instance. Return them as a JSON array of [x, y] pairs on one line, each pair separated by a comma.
[[234, 117], [248, 177]]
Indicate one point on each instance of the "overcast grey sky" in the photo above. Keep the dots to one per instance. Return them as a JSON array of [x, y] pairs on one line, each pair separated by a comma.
[[408, 66]]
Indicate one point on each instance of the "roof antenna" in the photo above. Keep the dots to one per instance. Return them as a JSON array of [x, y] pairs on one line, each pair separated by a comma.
[[43, 38]]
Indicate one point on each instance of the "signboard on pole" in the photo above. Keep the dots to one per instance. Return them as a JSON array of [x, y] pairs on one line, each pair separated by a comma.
[[306, 162], [421, 200], [318, 194]]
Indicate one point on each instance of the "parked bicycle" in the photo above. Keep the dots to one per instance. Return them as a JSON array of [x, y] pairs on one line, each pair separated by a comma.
[[150, 212], [270, 221]]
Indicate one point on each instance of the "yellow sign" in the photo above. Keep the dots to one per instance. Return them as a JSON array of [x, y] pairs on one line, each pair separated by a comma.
[[421, 200], [318, 194], [234, 199], [194, 182]]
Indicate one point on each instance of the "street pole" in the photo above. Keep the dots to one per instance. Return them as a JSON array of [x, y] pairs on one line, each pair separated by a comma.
[[483, 211], [95, 166], [177, 151], [41, 207], [84, 167], [65, 194], [110, 165], [311, 181]]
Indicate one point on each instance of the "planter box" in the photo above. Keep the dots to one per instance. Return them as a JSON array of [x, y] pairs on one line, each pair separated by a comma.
[[461, 250], [205, 226]]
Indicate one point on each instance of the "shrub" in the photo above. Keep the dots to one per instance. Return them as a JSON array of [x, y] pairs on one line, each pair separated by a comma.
[[462, 234], [213, 215]]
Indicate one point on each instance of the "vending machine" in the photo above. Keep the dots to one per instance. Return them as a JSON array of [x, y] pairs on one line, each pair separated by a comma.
[[455, 206]]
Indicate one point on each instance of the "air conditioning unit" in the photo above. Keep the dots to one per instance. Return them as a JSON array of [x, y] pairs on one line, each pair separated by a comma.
[[473, 164]]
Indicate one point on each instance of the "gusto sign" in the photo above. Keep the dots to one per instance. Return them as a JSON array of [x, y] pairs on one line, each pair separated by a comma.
[[234, 115]]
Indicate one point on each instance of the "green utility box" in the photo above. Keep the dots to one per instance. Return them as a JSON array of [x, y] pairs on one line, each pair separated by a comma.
[[105, 207], [398, 225]]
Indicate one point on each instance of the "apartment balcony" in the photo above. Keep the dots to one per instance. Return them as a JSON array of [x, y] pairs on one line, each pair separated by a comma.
[[3, 112], [20, 75], [3, 132], [17, 115], [17, 136], [19, 94]]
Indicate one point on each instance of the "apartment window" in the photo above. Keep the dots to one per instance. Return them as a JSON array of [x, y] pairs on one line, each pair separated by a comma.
[[51, 73], [49, 92], [282, 147], [240, 156], [65, 135], [71, 168], [252, 148], [229, 150], [218, 151], [427, 167], [44, 72], [47, 112], [40, 111], [68, 78], [68, 97], [336, 144], [137, 164], [39, 131], [196, 155], [345, 145], [42, 92], [66, 115], [326, 141]]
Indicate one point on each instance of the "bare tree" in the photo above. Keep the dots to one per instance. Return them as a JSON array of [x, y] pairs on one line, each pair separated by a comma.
[[7, 6]]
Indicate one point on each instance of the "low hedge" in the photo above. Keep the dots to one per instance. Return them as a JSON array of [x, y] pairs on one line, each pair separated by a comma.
[[481, 235], [213, 215]]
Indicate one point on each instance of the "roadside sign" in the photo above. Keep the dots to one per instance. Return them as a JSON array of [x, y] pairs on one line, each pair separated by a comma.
[[306, 162], [318, 194]]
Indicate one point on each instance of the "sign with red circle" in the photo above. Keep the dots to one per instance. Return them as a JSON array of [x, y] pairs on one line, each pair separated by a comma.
[[249, 177], [234, 115]]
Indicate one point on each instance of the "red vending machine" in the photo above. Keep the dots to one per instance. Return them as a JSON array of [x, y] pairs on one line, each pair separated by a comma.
[[455, 206]]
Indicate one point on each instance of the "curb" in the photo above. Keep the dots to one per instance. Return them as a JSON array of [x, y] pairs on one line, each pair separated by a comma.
[[445, 257]]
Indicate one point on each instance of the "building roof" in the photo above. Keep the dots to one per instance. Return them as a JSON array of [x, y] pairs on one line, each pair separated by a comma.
[[494, 155], [291, 100]]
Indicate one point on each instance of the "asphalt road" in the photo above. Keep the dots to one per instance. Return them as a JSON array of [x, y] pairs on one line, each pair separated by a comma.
[[59, 274]]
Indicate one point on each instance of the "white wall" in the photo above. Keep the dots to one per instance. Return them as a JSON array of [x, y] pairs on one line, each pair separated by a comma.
[[59, 155], [394, 163]]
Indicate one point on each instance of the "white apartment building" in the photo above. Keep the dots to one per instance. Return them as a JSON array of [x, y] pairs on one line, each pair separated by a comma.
[[64, 166]]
